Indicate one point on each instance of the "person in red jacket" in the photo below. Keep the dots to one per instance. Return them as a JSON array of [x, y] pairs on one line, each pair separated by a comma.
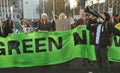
[[82, 20]]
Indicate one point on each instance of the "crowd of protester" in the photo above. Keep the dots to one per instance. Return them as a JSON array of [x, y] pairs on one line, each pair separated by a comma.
[[44, 24]]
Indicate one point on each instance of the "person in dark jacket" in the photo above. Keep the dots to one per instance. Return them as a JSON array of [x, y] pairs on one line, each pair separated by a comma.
[[8, 27], [45, 25], [103, 31]]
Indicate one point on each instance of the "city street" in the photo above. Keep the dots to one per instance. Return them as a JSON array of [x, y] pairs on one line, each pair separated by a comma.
[[73, 66], [39, 36]]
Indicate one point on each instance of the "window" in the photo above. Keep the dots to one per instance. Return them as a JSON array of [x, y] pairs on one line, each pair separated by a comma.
[[18, 16]]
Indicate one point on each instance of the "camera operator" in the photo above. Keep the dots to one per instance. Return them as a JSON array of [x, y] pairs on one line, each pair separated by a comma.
[[103, 30]]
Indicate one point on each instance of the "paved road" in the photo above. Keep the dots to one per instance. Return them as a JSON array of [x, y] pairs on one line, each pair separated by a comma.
[[75, 66]]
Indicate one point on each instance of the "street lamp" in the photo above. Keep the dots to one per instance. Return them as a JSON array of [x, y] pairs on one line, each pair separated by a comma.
[[43, 6], [54, 6], [11, 9]]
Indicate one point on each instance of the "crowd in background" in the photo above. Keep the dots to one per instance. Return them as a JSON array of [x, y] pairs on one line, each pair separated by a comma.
[[44, 24]]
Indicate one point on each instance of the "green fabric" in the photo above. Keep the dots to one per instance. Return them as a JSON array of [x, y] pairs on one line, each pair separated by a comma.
[[57, 55]]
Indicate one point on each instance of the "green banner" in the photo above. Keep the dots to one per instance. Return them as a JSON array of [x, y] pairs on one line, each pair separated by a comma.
[[47, 48]]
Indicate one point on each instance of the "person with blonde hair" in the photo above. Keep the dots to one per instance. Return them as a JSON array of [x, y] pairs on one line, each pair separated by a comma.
[[45, 25], [62, 23], [62, 16]]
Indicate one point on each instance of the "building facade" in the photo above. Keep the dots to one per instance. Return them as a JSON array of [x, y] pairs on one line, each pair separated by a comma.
[[32, 9], [110, 6], [10, 8]]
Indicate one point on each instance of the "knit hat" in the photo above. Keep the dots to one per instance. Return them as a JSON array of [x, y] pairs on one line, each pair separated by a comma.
[[44, 14]]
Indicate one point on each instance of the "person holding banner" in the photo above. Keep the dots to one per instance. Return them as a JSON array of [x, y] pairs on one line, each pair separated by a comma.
[[62, 16], [82, 19], [62, 23], [45, 25], [103, 31], [27, 27], [8, 27], [18, 26]]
